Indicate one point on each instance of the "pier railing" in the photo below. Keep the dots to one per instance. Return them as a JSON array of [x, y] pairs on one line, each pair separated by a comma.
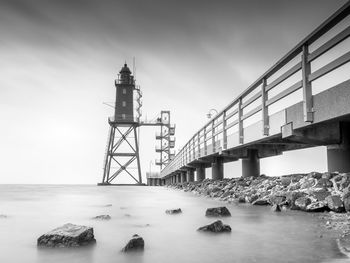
[[318, 62]]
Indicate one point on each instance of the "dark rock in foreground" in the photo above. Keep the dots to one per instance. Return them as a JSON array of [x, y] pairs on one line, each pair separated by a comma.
[[102, 217], [218, 211], [216, 227], [134, 244], [173, 211], [68, 235]]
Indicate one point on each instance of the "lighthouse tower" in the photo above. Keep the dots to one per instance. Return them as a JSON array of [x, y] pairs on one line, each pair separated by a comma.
[[122, 151]]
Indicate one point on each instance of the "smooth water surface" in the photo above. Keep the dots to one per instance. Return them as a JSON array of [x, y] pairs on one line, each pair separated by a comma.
[[258, 235]]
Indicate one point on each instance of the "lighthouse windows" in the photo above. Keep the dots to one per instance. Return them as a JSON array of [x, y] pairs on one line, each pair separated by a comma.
[[124, 103], [124, 91]]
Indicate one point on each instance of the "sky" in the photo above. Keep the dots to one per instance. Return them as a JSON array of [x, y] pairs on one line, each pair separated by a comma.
[[59, 59]]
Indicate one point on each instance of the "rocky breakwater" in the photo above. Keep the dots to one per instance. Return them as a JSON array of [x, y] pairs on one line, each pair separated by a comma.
[[313, 192]]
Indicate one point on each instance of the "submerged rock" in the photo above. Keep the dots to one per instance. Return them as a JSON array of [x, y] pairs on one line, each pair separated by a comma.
[[68, 235], [261, 201], [216, 227], [102, 217], [173, 211], [343, 243], [134, 244], [276, 208], [218, 211]]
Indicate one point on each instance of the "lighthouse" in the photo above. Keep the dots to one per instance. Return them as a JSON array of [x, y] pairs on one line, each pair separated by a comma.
[[125, 89]]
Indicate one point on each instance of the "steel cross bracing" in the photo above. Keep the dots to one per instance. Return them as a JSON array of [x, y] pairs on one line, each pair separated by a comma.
[[121, 146]]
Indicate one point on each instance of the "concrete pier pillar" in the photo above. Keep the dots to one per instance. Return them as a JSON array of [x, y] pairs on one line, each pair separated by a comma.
[[183, 177], [200, 173], [338, 156], [217, 169], [251, 164], [190, 175], [178, 178]]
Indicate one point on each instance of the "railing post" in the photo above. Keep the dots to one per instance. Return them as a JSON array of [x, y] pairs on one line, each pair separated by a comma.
[[199, 144], [240, 121], [205, 141], [194, 147], [264, 108], [224, 131], [307, 91], [212, 135]]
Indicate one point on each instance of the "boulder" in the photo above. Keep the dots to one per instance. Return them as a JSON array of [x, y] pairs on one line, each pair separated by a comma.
[[173, 211], [335, 203], [324, 183], [345, 181], [346, 200], [218, 211], [302, 202], [277, 199], [285, 180], [134, 244], [241, 199], [102, 217], [216, 227], [261, 201], [319, 206], [320, 194], [276, 208], [68, 235], [292, 196]]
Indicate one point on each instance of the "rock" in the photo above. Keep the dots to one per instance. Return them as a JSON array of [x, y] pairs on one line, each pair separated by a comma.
[[218, 211], [315, 175], [285, 180], [323, 183], [216, 227], [68, 235], [251, 198], [292, 196], [308, 183], [320, 194], [102, 217], [277, 199], [346, 200], [345, 181], [134, 244], [241, 199], [335, 203], [261, 201], [319, 206], [173, 211], [343, 243], [302, 202], [3, 216], [276, 208]]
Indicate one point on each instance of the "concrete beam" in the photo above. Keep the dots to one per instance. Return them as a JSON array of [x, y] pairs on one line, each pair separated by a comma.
[[251, 164]]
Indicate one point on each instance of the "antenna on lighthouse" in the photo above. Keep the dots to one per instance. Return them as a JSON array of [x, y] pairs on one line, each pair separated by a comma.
[[134, 67]]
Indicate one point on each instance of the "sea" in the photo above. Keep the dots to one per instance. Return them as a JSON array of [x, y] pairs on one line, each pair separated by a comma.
[[258, 235]]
